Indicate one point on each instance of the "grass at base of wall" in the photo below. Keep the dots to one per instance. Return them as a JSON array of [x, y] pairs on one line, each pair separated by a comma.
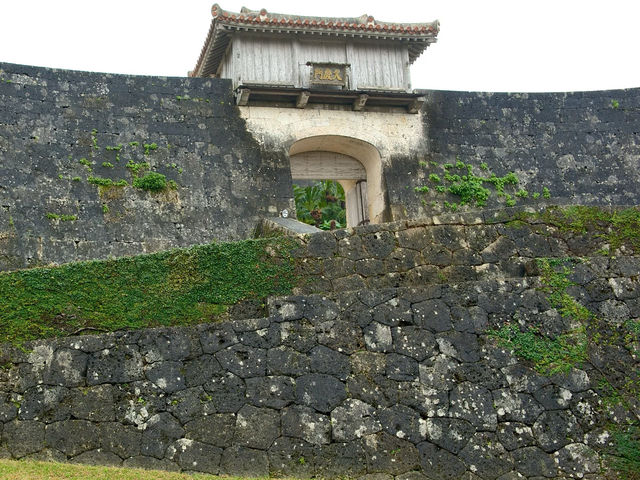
[[176, 287], [28, 470]]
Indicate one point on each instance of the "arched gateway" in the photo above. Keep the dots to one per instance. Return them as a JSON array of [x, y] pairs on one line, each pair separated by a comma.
[[332, 93], [354, 163]]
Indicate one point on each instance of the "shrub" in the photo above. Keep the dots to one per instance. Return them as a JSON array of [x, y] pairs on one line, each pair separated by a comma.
[[151, 181]]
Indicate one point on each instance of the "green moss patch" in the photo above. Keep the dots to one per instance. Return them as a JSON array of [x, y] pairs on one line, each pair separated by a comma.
[[177, 287], [618, 227]]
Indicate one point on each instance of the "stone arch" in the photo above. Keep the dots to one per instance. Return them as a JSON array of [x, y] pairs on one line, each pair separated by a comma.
[[340, 156]]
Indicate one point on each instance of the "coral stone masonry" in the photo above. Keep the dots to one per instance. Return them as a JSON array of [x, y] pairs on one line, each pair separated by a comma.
[[463, 327]]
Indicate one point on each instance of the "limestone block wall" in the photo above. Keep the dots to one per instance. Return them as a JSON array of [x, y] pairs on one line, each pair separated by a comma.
[[583, 146], [447, 249], [64, 135], [404, 382]]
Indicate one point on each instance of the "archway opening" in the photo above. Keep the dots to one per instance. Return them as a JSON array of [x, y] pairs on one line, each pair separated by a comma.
[[353, 163]]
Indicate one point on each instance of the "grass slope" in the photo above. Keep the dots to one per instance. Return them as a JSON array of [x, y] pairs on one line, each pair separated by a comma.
[[177, 287], [28, 470]]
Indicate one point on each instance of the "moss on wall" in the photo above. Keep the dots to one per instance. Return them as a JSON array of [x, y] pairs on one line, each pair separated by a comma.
[[176, 287]]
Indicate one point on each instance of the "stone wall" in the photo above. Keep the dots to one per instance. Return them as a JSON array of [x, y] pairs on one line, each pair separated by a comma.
[[62, 133], [447, 249], [403, 382], [395, 370], [59, 128], [584, 147]]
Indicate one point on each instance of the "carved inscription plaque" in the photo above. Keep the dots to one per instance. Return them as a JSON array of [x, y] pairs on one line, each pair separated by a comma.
[[328, 74]]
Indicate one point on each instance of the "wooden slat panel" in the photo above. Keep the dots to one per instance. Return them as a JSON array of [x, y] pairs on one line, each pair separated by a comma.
[[381, 66], [265, 61], [326, 165]]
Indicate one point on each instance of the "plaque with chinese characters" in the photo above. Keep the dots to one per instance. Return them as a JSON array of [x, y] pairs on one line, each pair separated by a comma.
[[328, 74]]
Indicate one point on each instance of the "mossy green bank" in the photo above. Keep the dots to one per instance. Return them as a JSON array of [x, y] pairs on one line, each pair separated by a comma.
[[177, 287]]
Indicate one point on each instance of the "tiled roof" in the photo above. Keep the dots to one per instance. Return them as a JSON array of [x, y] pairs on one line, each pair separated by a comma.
[[418, 35]]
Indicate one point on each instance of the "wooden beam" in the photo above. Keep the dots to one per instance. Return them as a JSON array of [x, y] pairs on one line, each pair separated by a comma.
[[242, 97], [303, 98], [360, 102], [416, 105]]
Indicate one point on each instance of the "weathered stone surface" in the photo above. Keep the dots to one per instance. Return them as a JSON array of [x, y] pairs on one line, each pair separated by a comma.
[[516, 407], [459, 345], [167, 375], [532, 461], [307, 424], [170, 346], [189, 403], [291, 457], [487, 455], [243, 361], [379, 244], [198, 137], [320, 391], [67, 368], [414, 342], [257, 427], [392, 312], [274, 392], [286, 361], [45, 455], [553, 397], [94, 403], [341, 459], [433, 315], [300, 336], [437, 372], [402, 368], [217, 429], [23, 438], [243, 462], [97, 457], [440, 464], [326, 360], [160, 432], [514, 435], [195, 456], [218, 337], [387, 453], [377, 337], [352, 420], [481, 373], [403, 422], [577, 460], [341, 336], [72, 437], [322, 245], [121, 364], [376, 393], [449, 433], [227, 393], [474, 404], [368, 363], [150, 463], [200, 370], [122, 440], [555, 429]]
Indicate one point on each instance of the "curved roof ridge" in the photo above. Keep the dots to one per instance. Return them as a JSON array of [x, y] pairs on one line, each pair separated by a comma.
[[421, 34]]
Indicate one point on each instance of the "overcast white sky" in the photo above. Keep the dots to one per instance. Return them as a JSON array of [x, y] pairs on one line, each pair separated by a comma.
[[490, 45]]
